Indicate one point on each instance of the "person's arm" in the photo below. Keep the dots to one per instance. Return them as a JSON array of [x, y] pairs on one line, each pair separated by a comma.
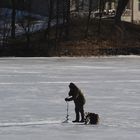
[[69, 98]]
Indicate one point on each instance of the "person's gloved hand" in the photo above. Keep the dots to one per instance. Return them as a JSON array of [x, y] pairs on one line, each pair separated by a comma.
[[66, 99]]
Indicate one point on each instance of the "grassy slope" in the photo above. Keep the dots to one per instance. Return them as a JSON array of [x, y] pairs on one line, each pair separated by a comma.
[[108, 41]]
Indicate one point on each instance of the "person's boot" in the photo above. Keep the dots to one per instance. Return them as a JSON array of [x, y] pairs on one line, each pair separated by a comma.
[[82, 117], [82, 120], [75, 121]]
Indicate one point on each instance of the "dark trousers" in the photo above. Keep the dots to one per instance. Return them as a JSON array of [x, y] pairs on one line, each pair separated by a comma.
[[120, 9], [79, 110]]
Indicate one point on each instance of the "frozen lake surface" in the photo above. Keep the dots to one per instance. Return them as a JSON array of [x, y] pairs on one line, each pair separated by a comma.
[[32, 92]]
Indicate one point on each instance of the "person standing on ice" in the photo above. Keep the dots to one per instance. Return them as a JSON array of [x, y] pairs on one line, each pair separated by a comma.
[[77, 96]]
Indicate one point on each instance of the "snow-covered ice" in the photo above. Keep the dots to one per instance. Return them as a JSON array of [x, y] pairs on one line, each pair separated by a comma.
[[32, 92]]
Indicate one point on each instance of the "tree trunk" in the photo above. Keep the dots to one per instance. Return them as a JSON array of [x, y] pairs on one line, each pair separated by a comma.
[[77, 5], [120, 9], [83, 4], [57, 18], [89, 15], [68, 18], [101, 8], [13, 18], [47, 33], [29, 23]]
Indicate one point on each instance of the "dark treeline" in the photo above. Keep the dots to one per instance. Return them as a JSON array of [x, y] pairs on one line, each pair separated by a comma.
[[57, 11], [59, 15]]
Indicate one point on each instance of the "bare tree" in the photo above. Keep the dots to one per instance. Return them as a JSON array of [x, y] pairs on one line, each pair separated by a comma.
[[57, 17], [77, 5], [120, 9], [89, 15], [13, 18], [67, 17], [101, 9], [47, 32], [64, 13], [82, 4], [4, 29], [27, 22]]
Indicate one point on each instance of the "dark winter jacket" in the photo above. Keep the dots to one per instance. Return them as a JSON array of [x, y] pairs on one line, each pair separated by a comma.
[[76, 95]]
